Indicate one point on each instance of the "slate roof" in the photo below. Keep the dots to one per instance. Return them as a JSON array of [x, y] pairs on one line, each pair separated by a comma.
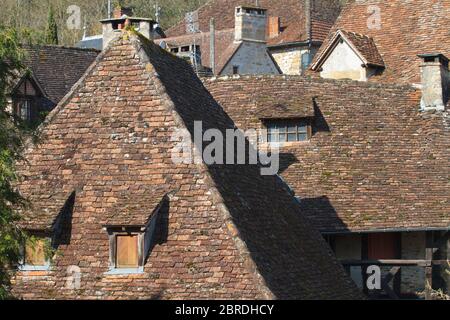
[[364, 47], [406, 29], [226, 231], [58, 68], [374, 162]]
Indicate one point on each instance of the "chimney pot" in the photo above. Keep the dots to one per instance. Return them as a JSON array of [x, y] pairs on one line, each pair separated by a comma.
[[274, 27], [435, 81]]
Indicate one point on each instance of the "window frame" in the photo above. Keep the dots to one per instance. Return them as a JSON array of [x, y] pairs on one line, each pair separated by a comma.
[[113, 233], [24, 266], [287, 124]]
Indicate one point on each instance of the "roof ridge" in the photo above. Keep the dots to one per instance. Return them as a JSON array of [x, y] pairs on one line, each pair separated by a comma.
[[57, 46]]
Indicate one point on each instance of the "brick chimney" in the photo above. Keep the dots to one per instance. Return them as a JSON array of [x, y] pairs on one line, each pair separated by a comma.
[[274, 27], [250, 24], [435, 81]]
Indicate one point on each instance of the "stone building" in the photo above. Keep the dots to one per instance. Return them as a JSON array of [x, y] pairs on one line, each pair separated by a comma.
[[127, 222], [295, 29], [383, 40], [365, 162], [372, 162]]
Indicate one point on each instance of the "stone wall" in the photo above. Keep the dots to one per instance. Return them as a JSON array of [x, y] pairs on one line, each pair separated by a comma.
[[251, 58], [413, 247], [289, 60]]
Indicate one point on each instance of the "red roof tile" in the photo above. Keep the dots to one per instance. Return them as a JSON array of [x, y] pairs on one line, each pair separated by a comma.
[[406, 29]]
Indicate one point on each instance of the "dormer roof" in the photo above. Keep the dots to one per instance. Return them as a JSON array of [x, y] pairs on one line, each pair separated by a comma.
[[362, 45]]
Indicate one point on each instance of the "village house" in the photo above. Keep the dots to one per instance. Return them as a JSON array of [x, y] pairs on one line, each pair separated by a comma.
[[127, 222], [50, 73], [245, 38], [368, 161], [382, 41], [364, 150]]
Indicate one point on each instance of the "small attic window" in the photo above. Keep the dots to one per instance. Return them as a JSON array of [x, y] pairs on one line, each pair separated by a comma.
[[129, 247], [127, 251], [235, 69], [35, 254], [291, 130]]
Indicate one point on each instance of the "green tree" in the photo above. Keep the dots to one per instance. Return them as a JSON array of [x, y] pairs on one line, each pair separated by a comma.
[[52, 28], [11, 237]]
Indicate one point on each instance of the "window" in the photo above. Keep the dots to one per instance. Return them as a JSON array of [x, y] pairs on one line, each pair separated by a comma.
[[35, 255], [288, 130], [235, 69], [24, 110], [127, 251]]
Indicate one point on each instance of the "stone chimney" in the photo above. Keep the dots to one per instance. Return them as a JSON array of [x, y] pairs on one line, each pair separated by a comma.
[[250, 24], [123, 17], [274, 27], [435, 81]]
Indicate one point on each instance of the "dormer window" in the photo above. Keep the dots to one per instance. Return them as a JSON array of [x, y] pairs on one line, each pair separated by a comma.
[[287, 130], [126, 249], [127, 253], [35, 254], [129, 246]]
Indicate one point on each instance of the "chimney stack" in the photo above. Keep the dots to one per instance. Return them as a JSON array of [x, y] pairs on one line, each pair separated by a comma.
[[250, 24], [123, 17], [274, 27], [435, 81]]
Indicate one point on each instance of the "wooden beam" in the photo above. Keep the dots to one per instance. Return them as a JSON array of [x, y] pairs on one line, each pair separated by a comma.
[[385, 283], [429, 269]]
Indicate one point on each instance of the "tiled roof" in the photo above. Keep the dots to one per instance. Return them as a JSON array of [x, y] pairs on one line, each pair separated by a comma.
[[276, 107], [374, 161], [404, 30], [58, 68], [226, 231], [291, 13], [227, 55], [224, 41]]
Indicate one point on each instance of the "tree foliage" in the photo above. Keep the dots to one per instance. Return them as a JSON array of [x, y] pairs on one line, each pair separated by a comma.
[[11, 237], [52, 28], [30, 17]]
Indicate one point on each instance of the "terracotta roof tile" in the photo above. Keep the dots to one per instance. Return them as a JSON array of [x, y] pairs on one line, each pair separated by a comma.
[[58, 68], [406, 29], [374, 162], [226, 231]]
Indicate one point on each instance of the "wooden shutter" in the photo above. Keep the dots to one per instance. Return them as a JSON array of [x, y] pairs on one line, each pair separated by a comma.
[[383, 246], [35, 253], [127, 251]]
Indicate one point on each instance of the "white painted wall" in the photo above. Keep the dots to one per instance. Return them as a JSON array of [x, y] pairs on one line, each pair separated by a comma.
[[343, 63], [252, 58]]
